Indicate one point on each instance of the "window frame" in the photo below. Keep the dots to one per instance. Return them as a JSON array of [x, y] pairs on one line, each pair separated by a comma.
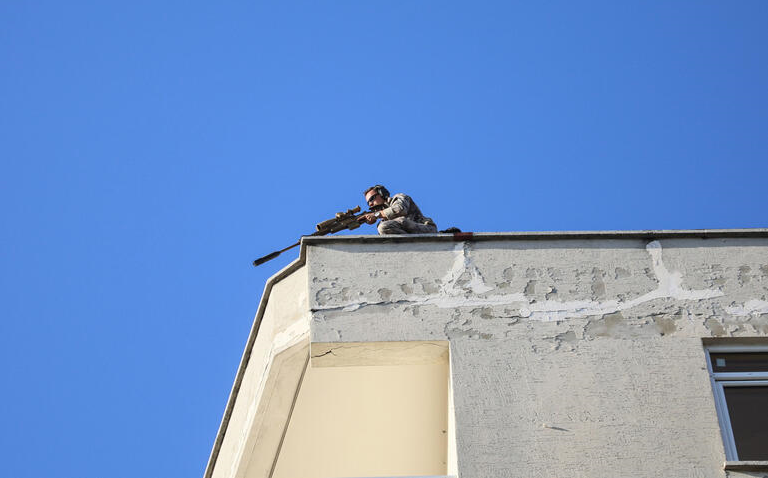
[[720, 380]]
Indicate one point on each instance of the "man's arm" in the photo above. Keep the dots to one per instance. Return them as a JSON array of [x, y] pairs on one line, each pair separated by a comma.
[[398, 207]]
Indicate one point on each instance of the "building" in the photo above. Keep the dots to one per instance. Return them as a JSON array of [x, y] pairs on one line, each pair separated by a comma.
[[588, 354]]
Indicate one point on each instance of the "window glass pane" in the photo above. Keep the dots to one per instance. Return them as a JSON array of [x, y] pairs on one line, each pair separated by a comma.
[[739, 362], [748, 411]]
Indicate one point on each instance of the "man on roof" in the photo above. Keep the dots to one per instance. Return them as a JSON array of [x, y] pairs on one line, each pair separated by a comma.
[[398, 213]]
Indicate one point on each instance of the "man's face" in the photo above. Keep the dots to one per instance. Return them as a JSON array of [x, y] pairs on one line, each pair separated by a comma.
[[373, 198]]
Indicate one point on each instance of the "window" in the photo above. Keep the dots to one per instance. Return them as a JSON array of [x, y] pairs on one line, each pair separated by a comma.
[[740, 383]]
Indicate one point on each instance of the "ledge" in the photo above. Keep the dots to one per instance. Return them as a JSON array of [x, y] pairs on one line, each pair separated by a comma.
[[746, 465], [544, 235]]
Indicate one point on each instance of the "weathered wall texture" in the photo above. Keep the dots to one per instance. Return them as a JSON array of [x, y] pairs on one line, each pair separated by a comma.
[[569, 357]]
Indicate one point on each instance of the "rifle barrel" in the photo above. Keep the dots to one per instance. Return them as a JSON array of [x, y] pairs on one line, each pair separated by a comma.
[[343, 220], [272, 255]]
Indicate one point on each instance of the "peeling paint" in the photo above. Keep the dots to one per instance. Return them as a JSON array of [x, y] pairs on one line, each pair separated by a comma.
[[621, 273], [751, 307], [614, 326], [530, 287], [715, 327], [598, 285], [292, 335], [461, 265], [551, 293], [463, 286]]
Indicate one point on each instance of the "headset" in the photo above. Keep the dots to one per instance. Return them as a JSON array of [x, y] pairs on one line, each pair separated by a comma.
[[380, 190]]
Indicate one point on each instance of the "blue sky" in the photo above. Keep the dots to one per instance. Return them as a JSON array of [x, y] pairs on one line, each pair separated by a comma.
[[152, 150]]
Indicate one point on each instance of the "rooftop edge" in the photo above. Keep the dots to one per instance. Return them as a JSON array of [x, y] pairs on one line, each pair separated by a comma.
[[542, 235]]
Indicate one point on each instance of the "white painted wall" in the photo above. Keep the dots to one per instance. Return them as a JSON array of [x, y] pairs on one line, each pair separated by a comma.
[[276, 360]]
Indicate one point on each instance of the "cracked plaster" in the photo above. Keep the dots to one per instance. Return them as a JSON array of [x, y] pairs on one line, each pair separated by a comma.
[[569, 358], [613, 303]]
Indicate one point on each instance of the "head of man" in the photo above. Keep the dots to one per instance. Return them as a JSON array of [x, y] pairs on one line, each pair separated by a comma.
[[376, 195]]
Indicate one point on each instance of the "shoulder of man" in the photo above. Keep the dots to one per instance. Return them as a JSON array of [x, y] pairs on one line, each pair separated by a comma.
[[403, 200], [398, 205]]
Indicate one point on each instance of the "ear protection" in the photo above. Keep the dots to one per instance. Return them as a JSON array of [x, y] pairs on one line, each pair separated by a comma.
[[381, 190]]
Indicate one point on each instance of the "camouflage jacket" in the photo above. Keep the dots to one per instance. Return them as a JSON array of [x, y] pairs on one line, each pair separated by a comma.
[[401, 205]]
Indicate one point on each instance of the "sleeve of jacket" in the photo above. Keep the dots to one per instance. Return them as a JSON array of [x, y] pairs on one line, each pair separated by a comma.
[[398, 207]]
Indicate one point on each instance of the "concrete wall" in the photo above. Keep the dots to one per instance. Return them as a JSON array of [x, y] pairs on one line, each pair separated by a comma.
[[569, 357], [270, 374]]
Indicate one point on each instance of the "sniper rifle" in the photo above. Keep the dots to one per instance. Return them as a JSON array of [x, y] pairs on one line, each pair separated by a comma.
[[343, 220]]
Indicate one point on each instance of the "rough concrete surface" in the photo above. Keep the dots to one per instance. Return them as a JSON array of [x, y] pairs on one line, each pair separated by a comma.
[[569, 357]]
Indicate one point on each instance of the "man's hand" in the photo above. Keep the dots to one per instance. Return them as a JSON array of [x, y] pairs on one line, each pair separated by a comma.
[[369, 218]]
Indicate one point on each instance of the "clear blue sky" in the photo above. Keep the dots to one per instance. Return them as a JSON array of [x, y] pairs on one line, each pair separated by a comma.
[[152, 150]]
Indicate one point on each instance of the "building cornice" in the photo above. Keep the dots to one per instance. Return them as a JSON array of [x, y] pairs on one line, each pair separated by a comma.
[[543, 235]]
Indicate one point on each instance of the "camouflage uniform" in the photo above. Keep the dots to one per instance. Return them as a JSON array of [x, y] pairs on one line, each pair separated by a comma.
[[404, 217]]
